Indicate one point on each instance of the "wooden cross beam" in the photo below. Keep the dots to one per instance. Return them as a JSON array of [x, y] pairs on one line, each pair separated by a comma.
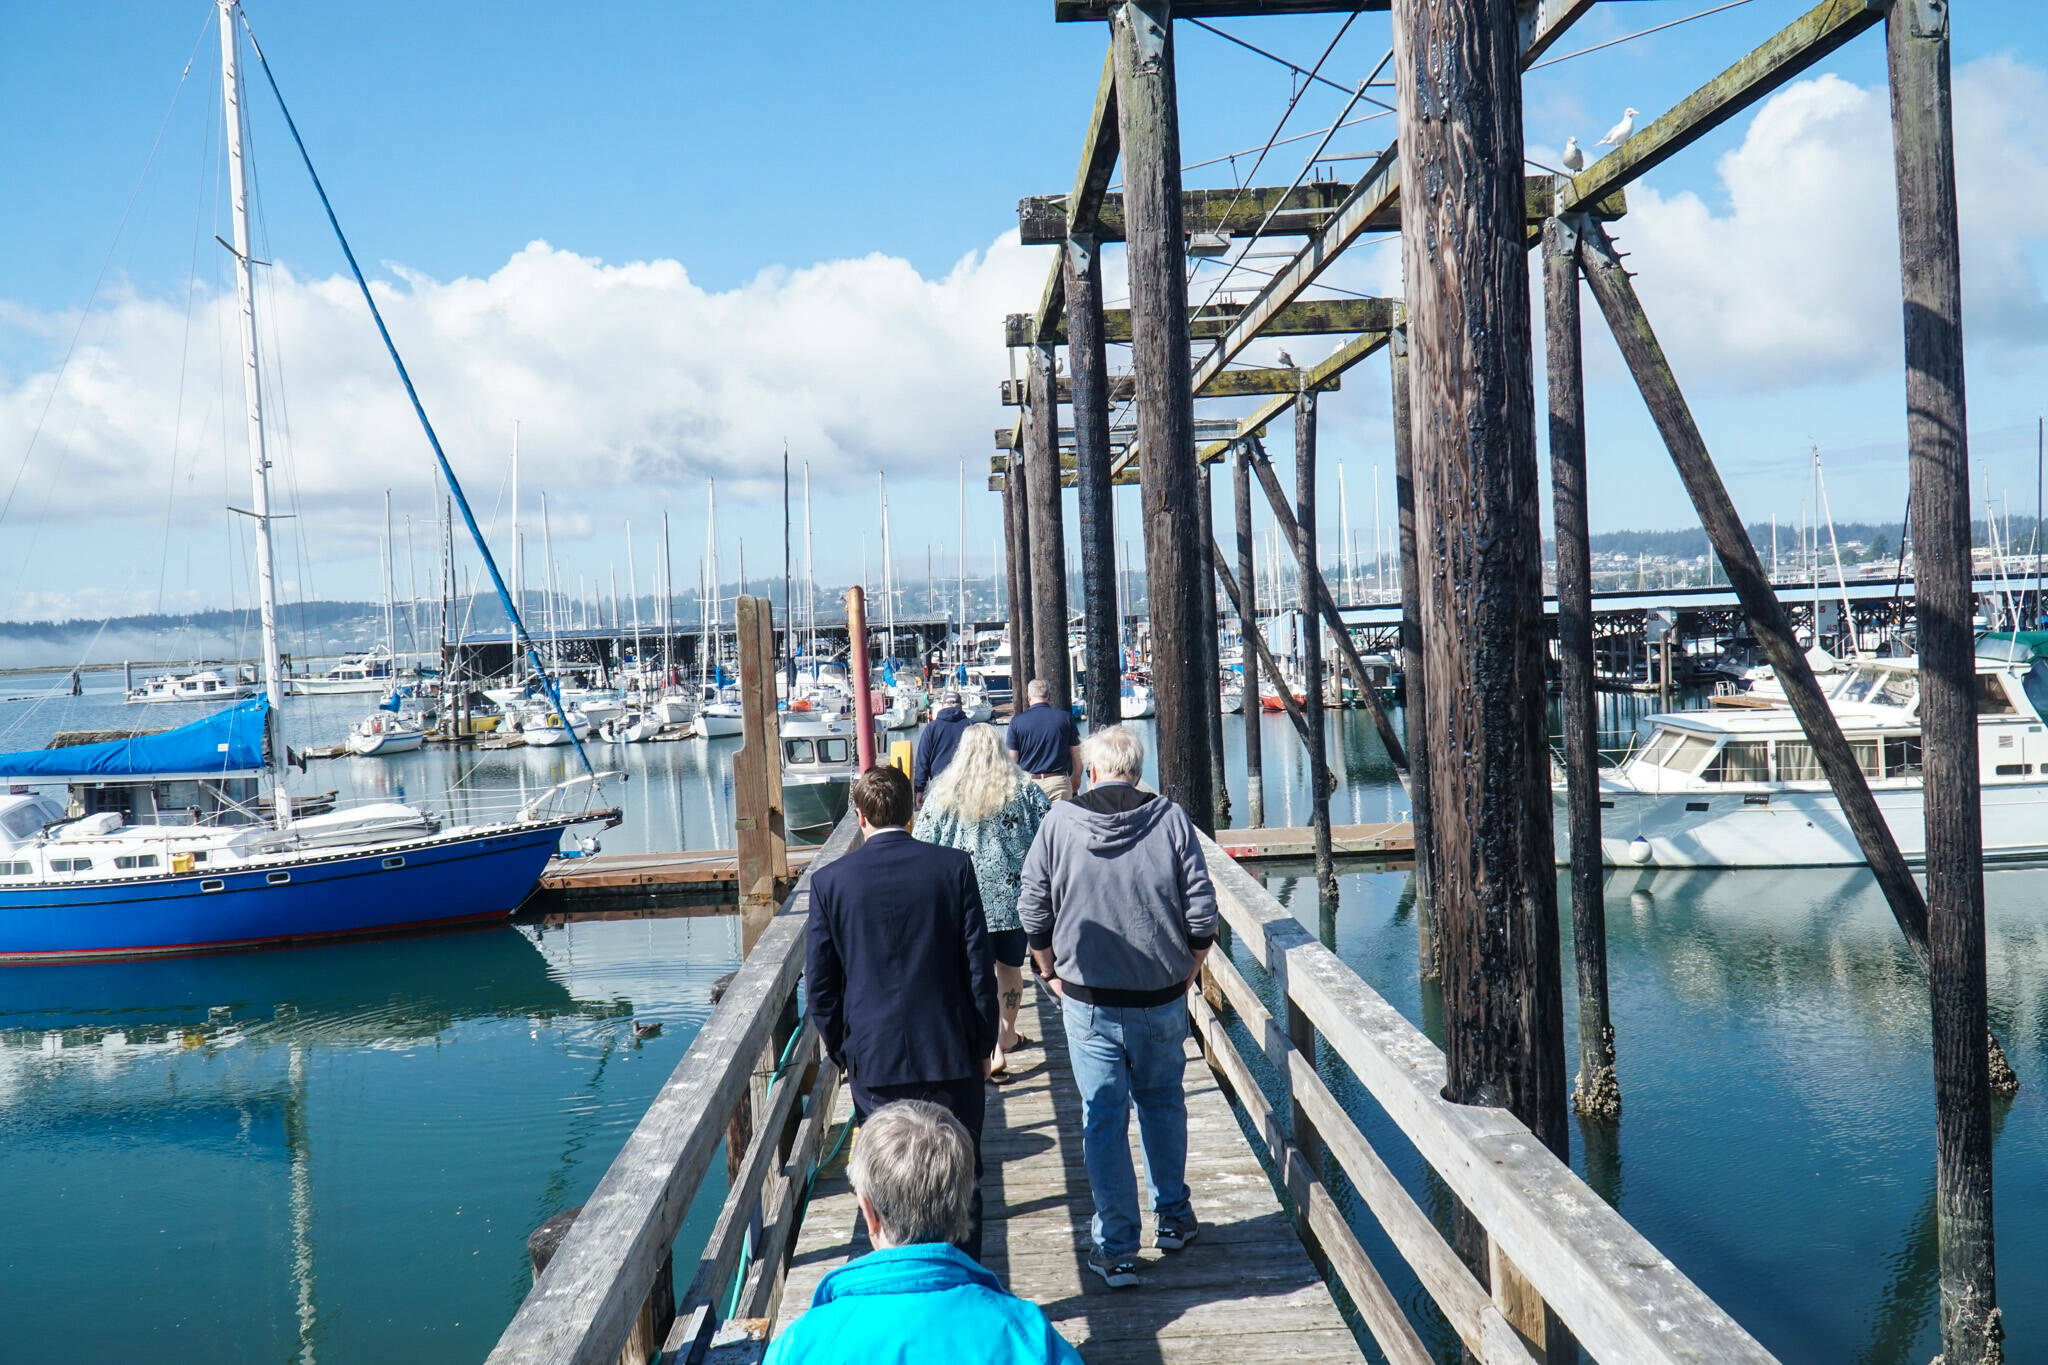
[[1787, 53], [1229, 384], [1042, 218], [1081, 11], [1309, 317], [1372, 196]]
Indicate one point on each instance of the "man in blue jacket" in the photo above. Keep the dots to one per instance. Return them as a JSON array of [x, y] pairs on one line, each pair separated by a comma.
[[914, 1297], [940, 738], [900, 977]]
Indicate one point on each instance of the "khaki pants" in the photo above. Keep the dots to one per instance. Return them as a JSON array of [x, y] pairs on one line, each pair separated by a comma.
[[1058, 786]]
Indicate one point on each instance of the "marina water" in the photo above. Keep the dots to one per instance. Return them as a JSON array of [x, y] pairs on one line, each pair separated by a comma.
[[335, 1153]]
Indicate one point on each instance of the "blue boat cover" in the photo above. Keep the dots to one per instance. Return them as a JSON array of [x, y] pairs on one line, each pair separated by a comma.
[[226, 742]]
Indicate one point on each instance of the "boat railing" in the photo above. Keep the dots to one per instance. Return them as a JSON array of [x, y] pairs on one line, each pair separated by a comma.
[[754, 1081], [1550, 1242]]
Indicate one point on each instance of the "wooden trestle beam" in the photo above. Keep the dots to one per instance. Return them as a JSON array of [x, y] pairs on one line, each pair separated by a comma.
[[1542, 21], [1785, 55], [1308, 317], [1229, 384], [1042, 218]]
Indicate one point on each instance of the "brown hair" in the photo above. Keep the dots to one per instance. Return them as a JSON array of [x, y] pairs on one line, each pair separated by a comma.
[[882, 796]]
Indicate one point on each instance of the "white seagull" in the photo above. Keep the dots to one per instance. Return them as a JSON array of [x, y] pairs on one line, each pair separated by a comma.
[[1286, 361], [1620, 131], [1574, 159]]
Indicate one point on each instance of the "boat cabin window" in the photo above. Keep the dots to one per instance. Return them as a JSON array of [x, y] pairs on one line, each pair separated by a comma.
[[1902, 756], [1798, 763], [832, 750], [18, 869], [1690, 753], [70, 864], [135, 860], [799, 751], [1895, 687], [1992, 698], [1660, 747], [1740, 761], [23, 822]]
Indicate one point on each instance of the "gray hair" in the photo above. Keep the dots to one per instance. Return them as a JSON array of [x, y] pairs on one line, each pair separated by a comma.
[[1115, 753], [915, 1164], [1037, 689]]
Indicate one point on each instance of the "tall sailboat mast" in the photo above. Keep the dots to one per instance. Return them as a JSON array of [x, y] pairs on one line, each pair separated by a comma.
[[810, 581], [633, 587], [963, 647], [667, 610], [518, 555], [888, 570], [252, 390], [390, 590]]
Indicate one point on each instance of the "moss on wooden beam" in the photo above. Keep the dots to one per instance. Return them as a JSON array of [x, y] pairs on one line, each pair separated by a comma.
[[1042, 219], [1311, 317], [1788, 53], [1229, 384]]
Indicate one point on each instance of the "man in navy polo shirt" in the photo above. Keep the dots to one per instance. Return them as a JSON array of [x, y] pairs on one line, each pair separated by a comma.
[[1045, 744]]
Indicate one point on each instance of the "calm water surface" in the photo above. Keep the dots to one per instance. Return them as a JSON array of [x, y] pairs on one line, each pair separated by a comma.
[[335, 1153]]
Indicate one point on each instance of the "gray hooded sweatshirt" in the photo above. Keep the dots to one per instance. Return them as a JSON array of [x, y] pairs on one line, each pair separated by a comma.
[[1116, 887]]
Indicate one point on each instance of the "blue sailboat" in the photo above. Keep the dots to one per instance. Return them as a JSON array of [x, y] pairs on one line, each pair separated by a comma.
[[165, 845]]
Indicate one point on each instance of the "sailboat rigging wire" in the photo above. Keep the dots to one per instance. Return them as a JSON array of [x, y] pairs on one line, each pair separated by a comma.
[[419, 409], [185, 356]]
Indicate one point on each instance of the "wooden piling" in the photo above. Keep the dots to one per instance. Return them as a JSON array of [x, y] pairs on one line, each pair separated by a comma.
[[1478, 518], [1021, 637], [1248, 632], [1597, 1091], [1310, 574], [1212, 650], [1048, 533], [757, 774], [1923, 139], [1155, 256], [1413, 688], [1103, 649]]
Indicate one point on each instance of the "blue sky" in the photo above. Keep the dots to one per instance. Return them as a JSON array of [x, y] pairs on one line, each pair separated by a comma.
[[795, 229]]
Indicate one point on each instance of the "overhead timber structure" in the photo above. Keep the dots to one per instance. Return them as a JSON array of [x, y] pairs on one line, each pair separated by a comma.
[[1473, 745]]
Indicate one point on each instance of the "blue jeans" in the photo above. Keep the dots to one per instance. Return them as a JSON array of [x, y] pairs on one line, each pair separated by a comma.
[[1123, 1054]]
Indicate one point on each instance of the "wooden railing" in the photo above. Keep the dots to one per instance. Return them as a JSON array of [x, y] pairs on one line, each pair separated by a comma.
[[1551, 1241], [601, 1297]]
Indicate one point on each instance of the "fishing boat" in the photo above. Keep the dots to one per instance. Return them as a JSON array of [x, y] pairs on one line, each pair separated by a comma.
[[205, 684], [820, 760], [1741, 787], [119, 880]]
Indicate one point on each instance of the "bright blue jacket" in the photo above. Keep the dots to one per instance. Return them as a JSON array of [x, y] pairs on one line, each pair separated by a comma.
[[923, 1303]]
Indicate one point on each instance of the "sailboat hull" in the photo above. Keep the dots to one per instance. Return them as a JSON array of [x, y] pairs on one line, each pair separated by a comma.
[[446, 880]]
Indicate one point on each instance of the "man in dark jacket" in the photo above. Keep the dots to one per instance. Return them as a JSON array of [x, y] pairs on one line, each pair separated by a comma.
[[900, 977], [1119, 912], [1045, 744], [940, 738]]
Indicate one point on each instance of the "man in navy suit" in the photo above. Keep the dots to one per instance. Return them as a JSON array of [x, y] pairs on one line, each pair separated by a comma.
[[899, 974]]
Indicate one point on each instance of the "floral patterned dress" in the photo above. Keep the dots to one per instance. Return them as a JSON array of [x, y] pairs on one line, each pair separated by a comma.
[[996, 845]]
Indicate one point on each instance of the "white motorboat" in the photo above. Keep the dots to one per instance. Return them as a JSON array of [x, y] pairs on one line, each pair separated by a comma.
[[205, 684], [820, 760], [597, 706], [371, 671], [903, 710], [543, 727], [1740, 786], [974, 702], [1136, 700]]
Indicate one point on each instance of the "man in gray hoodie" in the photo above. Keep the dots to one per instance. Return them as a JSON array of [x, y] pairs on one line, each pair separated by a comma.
[[1118, 910]]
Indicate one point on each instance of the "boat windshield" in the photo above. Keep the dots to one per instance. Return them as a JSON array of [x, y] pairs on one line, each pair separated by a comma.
[[1676, 751], [1881, 687]]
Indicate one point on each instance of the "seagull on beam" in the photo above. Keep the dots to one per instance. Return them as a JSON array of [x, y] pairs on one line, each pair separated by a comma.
[[1574, 157], [1286, 361], [1620, 131]]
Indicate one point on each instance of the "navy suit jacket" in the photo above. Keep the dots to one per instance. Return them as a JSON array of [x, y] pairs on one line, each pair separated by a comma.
[[901, 981]]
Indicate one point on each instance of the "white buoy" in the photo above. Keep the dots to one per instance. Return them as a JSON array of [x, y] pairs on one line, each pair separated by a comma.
[[1639, 850]]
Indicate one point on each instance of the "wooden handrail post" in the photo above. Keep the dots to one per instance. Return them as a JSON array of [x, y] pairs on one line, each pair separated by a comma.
[[757, 775]]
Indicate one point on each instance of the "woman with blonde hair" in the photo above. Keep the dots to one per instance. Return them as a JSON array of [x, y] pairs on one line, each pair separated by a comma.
[[985, 806]]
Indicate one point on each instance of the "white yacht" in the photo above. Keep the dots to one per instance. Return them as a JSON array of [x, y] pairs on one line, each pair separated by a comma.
[[206, 684], [1740, 786], [371, 671]]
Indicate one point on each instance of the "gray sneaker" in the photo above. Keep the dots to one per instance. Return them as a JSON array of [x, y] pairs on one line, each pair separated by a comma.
[[1174, 1233], [1118, 1272]]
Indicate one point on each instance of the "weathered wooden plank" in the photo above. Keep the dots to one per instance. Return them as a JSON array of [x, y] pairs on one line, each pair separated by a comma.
[[1621, 1297], [721, 1256], [1788, 53], [1369, 1293], [1042, 218], [1450, 1284], [763, 1293], [585, 1302], [1230, 384], [1308, 317]]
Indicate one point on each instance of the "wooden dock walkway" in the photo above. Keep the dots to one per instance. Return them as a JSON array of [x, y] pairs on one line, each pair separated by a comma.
[[1192, 1308]]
